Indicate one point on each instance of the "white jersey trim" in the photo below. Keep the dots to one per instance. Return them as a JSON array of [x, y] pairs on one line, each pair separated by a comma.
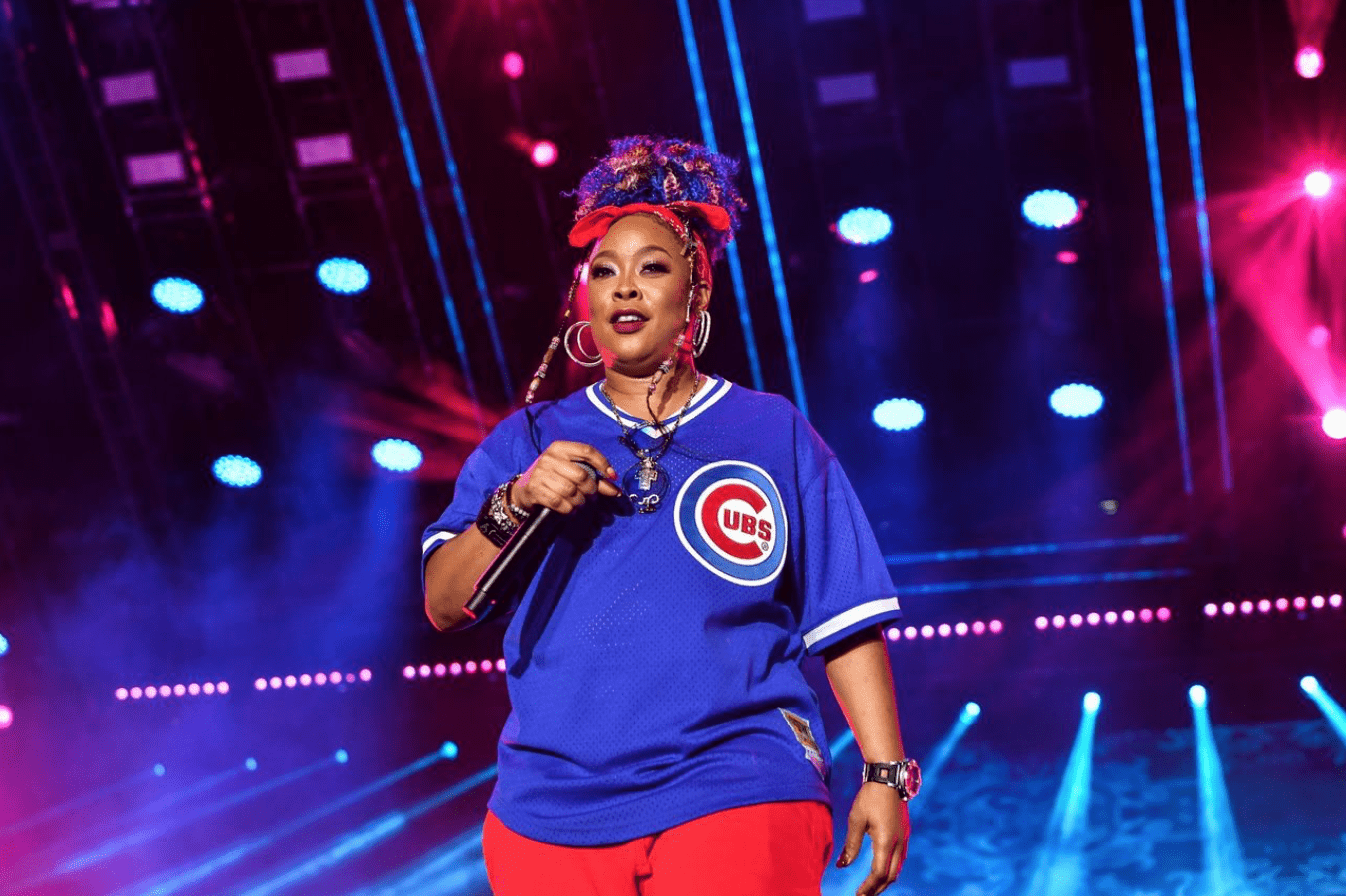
[[850, 617], [435, 539], [703, 400]]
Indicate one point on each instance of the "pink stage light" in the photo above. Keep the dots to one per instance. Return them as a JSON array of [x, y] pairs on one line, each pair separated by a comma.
[[1228, 608], [408, 672], [441, 670], [978, 627], [1334, 423], [894, 634], [1264, 606], [960, 629], [1110, 617], [500, 665], [1301, 603], [911, 632], [334, 677], [512, 65], [945, 630], [291, 681], [1319, 336], [122, 693], [194, 689], [1318, 184], [927, 631], [1309, 62], [306, 679], [1318, 602], [135, 693], [151, 692], [544, 153], [350, 678], [321, 677], [1128, 616], [366, 675], [455, 668], [260, 684], [1246, 607], [869, 276], [1146, 615], [996, 626], [275, 682], [1335, 600], [1040, 623], [1076, 620], [470, 666], [222, 687], [1211, 609], [424, 671], [1093, 619], [1058, 622], [6, 717], [1282, 604], [1065, 256]]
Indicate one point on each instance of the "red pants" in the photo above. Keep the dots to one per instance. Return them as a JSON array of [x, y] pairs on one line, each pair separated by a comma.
[[770, 849]]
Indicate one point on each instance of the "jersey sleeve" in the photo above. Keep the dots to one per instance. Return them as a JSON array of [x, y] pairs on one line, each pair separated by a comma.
[[841, 571], [495, 460]]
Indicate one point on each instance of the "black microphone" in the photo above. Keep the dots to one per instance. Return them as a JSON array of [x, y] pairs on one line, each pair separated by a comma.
[[517, 561]]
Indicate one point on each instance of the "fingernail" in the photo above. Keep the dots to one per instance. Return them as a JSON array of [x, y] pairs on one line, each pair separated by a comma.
[[612, 474]]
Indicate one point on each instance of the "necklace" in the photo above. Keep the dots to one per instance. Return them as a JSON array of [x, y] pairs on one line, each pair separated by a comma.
[[646, 483]]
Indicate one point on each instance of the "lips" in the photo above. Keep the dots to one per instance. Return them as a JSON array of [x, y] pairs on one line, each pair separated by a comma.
[[628, 321]]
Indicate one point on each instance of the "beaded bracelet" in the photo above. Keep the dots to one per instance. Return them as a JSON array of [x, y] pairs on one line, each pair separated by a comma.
[[493, 520]]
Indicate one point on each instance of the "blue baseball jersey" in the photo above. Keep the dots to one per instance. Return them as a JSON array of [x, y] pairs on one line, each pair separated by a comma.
[[654, 662]]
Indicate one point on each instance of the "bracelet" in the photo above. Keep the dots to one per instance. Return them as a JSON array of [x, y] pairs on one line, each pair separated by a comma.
[[521, 514], [493, 520]]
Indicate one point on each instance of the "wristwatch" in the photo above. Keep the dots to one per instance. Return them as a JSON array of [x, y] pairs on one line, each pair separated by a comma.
[[904, 776]]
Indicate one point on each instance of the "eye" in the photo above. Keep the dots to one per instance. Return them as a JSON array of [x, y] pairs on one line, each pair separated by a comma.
[[599, 272], [657, 267]]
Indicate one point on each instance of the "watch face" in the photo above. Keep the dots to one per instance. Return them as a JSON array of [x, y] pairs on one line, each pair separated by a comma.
[[911, 778]]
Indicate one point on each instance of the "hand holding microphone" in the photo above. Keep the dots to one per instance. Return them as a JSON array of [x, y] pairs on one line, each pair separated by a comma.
[[562, 478]]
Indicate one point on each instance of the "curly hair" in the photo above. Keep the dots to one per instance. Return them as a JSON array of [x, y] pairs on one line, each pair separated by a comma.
[[660, 170]]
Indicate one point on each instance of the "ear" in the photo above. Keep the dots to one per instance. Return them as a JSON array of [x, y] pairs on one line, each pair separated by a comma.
[[701, 299]]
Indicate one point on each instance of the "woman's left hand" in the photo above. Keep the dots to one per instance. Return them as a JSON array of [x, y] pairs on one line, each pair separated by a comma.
[[880, 811]]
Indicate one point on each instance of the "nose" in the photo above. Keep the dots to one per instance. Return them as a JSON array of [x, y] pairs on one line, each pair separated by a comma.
[[625, 291]]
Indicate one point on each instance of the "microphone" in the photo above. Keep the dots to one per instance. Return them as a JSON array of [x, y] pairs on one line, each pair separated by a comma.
[[517, 561]]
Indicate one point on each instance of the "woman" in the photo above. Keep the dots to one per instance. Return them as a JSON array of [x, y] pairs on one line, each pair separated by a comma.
[[663, 740]]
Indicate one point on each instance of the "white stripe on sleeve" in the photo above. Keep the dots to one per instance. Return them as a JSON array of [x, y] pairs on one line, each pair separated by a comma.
[[849, 618]]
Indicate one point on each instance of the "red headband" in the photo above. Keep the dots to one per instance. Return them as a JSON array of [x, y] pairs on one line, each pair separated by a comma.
[[595, 225]]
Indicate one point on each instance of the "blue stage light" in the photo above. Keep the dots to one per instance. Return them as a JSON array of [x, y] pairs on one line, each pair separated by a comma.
[[237, 471], [1197, 694], [343, 275], [864, 226], [1310, 684], [4, 645], [397, 455], [342, 756], [159, 770], [251, 764], [899, 414], [449, 750], [177, 294], [971, 711], [1092, 701], [1076, 400], [1051, 209]]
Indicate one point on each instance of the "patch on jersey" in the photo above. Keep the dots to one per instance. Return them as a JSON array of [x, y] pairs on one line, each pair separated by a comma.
[[730, 516], [804, 734]]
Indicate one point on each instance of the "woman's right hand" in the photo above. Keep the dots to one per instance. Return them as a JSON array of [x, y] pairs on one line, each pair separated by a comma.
[[555, 480]]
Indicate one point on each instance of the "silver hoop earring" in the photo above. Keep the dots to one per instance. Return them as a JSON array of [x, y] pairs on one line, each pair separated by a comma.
[[577, 353], [702, 333]]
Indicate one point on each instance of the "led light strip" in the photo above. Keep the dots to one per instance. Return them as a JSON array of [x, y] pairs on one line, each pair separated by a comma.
[[947, 630], [1267, 605], [194, 689], [440, 670], [280, 682], [1145, 615]]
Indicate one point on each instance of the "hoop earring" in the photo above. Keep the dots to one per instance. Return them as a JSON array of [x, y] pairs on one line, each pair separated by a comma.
[[702, 333], [578, 354]]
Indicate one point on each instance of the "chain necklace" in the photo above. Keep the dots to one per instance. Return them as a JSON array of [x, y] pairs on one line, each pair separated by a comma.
[[646, 483]]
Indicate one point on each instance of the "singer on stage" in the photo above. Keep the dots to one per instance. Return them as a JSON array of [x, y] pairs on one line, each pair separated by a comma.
[[698, 541]]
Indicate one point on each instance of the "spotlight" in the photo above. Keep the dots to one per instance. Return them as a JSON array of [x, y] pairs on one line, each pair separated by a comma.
[[971, 711], [1197, 694], [1318, 184], [869, 275], [1066, 256], [864, 226], [1309, 62], [1051, 209], [397, 455], [543, 153], [4, 645], [1319, 336], [512, 65], [6, 717], [237, 471], [178, 295], [898, 414], [160, 771], [345, 276], [342, 756], [250, 764], [1334, 423], [1310, 684], [1076, 400], [449, 750], [1092, 701]]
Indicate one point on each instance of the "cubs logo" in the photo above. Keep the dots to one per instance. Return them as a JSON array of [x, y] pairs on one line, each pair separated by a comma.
[[730, 516]]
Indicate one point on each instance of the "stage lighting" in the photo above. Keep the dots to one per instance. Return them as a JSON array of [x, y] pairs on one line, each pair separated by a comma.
[[1066, 256], [344, 276], [1051, 209], [250, 764], [1319, 336], [397, 455], [4, 645], [899, 414], [1318, 184], [1092, 701], [543, 153], [449, 750], [864, 226], [159, 770], [971, 711], [512, 65], [237, 471], [1076, 400], [1309, 62], [178, 295], [869, 275], [6, 717], [1334, 423], [1310, 684], [1197, 694], [342, 756]]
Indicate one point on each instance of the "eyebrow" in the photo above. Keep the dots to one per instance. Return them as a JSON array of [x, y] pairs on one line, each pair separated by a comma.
[[640, 251]]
